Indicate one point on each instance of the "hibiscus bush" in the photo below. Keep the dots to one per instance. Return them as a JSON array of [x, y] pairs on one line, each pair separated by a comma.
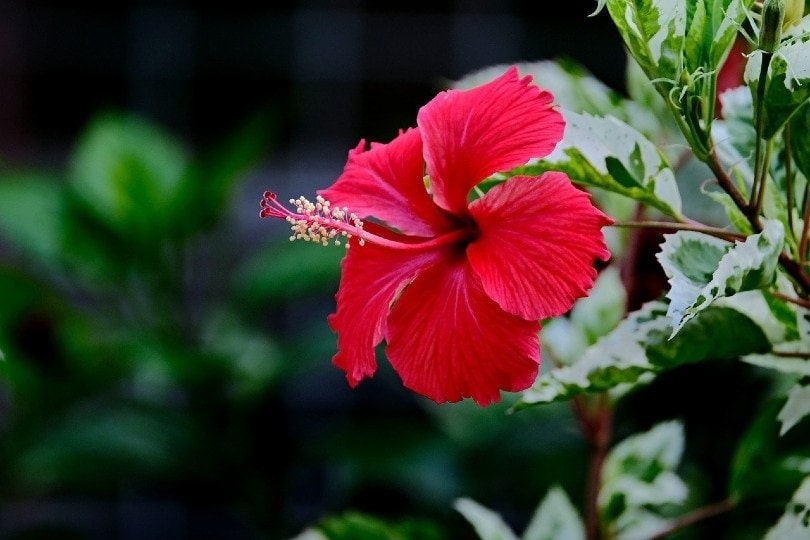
[[638, 244]]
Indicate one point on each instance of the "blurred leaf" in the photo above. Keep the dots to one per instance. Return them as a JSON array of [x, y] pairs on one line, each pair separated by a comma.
[[650, 114], [606, 153], [702, 269], [800, 139], [310, 534], [32, 214], [286, 270], [488, 525], [98, 443], [252, 359], [566, 338], [795, 522], [796, 407], [357, 526], [766, 466], [783, 362], [211, 182], [603, 308], [639, 475], [563, 341], [129, 174], [555, 519], [735, 137]]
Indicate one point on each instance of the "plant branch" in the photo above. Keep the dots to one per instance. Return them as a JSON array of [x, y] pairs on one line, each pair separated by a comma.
[[763, 182], [696, 516], [803, 302], [728, 186], [674, 226], [796, 271], [801, 355], [596, 426]]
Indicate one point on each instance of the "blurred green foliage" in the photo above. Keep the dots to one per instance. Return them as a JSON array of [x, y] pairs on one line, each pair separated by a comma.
[[167, 375]]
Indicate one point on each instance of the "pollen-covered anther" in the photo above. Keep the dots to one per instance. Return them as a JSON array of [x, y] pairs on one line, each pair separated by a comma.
[[314, 222]]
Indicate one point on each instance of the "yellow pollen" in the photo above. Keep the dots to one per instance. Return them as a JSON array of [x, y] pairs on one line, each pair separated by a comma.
[[321, 223]]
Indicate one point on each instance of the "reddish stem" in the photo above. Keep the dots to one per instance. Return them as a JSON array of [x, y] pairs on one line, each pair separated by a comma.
[[596, 427]]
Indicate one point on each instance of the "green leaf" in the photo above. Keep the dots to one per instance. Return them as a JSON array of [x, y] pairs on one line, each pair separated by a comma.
[[800, 139], [603, 308], [32, 214], [727, 18], [488, 525], [357, 526], [615, 359], [555, 519], [130, 174], [735, 135], [697, 31], [788, 82], [639, 474], [712, 26], [654, 32], [641, 347], [766, 466], [609, 154], [796, 407], [795, 522], [792, 366], [650, 113], [702, 269]]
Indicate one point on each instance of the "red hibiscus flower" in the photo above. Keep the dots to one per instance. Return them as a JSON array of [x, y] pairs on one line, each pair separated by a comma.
[[455, 288]]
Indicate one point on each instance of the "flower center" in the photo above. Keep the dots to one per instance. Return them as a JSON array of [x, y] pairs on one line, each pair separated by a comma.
[[320, 222]]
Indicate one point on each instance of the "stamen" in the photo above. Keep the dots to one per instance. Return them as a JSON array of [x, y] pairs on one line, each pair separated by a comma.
[[319, 222], [314, 222]]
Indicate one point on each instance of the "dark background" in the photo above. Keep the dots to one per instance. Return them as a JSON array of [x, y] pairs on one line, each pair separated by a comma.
[[325, 74], [335, 71]]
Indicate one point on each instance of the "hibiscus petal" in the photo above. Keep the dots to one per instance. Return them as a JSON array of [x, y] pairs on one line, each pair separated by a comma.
[[448, 340], [471, 134], [371, 276], [538, 238], [387, 182]]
